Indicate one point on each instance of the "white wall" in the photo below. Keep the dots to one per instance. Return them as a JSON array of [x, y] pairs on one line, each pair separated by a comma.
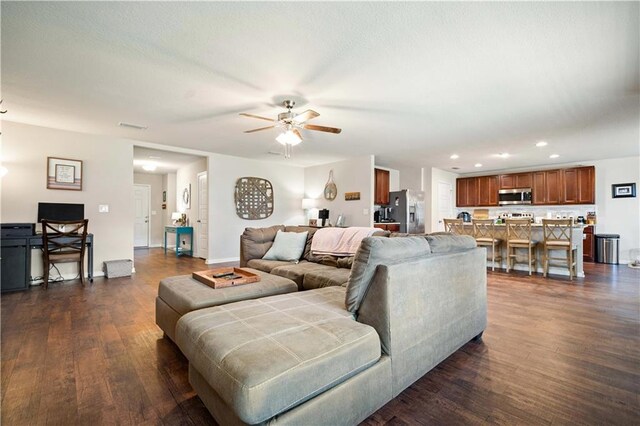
[[618, 215], [225, 227], [185, 176], [107, 179], [411, 178], [353, 175], [156, 214], [169, 185]]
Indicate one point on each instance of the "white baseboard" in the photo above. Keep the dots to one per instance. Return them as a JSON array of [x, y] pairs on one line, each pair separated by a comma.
[[67, 277], [222, 260]]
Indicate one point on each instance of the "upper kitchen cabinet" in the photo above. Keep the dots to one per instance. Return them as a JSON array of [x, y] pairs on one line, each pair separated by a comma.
[[578, 185], [547, 186], [382, 187], [518, 180], [467, 192], [488, 190]]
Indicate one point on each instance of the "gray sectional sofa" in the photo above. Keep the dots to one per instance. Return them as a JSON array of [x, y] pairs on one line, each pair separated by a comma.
[[334, 354]]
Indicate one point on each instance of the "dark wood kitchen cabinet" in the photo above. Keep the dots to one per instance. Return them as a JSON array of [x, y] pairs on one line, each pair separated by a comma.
[[382, 187], [546, 187], [488, 190], [578, 185], [467, 192], [588, 246], [517, 180]]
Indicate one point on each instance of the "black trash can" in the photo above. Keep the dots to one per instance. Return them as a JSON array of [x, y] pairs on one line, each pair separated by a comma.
[[607, 248]]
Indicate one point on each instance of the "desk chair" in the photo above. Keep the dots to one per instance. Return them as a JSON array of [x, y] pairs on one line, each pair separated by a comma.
[[63, 242], [558, 236], [519, 236], [455, 226], [484, 231]]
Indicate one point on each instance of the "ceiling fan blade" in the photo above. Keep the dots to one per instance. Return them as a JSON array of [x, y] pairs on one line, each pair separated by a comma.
[[305, 116], [297, 133], [257, 116], [322, 128], [261, 128]]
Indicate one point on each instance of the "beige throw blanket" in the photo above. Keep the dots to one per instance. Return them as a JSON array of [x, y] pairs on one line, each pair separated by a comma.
[[339, 241]]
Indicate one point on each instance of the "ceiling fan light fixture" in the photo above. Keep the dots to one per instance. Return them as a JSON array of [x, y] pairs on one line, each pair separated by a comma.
[[288, 138]]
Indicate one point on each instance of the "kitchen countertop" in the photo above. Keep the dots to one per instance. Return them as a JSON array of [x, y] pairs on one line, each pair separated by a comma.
[[535, 225]]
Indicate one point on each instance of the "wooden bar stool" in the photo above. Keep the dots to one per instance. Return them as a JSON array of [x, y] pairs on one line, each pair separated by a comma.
[[484, 231], [558, 236], [519, 236], [455, 226]]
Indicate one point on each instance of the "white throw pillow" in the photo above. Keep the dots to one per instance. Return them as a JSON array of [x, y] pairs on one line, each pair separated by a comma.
[[287, 246]]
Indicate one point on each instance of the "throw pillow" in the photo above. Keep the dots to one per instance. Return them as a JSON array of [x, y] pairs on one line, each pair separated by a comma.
[[287, 246]]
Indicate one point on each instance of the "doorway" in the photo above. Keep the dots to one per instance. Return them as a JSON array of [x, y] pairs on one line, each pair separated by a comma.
[[202, 230], [141, 203], [445, 205]]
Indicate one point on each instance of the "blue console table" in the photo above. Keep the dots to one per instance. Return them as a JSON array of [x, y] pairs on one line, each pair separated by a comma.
[[179, 230]]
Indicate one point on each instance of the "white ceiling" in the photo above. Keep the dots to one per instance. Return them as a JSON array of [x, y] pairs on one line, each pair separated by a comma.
[[411, 83], [165, 161]]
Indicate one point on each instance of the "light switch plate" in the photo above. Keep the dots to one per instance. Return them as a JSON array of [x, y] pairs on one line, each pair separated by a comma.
[[103, 208]]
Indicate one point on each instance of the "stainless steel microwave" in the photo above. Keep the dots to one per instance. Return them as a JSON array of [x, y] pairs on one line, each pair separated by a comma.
[[507, 197]]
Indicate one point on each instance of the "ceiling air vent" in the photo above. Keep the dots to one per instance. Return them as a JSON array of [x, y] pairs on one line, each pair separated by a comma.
[[132, 126]]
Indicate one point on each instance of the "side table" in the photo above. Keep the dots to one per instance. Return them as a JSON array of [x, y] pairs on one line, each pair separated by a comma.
[[179, 230]]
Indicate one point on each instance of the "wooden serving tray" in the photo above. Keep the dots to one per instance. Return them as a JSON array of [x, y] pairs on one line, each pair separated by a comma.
[[207, 277]]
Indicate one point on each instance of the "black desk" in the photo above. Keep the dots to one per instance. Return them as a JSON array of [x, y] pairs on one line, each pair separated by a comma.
[[16, 260]]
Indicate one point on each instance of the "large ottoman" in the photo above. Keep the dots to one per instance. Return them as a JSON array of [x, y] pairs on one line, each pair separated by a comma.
[[182, 294]]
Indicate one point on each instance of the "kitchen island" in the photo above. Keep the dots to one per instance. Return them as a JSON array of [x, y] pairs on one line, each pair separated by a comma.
[[577, 233]]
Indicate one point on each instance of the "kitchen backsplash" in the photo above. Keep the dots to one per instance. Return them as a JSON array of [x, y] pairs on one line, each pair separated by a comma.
[[538, 211]]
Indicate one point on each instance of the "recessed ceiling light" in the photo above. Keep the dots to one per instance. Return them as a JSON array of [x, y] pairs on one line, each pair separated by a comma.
[[503, 155], [541, 144], [454, 156], [554, 156], [478, 165], [149, 167]]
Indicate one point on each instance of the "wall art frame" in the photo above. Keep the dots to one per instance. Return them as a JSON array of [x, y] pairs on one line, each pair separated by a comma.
[[253, 197], [64, 173], [623, 190]]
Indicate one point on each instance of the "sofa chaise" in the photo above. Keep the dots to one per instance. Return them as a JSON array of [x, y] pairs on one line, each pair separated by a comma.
[[336, 354]]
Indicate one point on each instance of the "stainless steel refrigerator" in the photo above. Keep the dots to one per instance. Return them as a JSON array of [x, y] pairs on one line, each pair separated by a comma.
[[408, 209]]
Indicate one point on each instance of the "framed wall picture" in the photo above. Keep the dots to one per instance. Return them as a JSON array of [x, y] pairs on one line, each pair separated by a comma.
[[623, 190], [64, 173]]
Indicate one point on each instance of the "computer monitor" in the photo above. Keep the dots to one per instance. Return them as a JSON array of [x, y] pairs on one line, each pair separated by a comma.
[[60, 211]]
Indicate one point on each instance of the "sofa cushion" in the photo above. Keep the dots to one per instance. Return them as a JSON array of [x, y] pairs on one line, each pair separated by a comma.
[[375, 251], [325, 278], [445, 242], [184, 294], [287, 246], [255, 242], [265, 356], [266, 265], [307, 248], [296, 272]]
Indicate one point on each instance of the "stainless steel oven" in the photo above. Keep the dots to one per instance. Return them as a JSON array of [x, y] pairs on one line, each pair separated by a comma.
[[507, 197]]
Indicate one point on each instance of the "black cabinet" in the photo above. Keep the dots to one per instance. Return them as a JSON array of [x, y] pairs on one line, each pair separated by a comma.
[[15, 264]]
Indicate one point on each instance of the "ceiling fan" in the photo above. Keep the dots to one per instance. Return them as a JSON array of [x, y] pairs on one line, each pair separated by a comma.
[[290, 122]]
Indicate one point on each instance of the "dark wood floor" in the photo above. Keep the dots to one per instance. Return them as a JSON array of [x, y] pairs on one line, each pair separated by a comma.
[[554, 352]]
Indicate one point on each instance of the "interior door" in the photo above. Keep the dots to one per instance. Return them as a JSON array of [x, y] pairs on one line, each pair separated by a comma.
[[203, 211], [141, 222], [445, 205]]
